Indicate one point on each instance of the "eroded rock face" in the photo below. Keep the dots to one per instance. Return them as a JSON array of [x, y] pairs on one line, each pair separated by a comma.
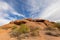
[[38, 20], [29, 19], [48, 23], [32, 22], [18, 22]]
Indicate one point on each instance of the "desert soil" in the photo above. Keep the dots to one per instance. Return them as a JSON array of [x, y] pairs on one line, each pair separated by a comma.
[[4, 35]]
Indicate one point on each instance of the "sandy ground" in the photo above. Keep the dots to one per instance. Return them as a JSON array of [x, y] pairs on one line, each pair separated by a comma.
[[4, 35], [49, 37]]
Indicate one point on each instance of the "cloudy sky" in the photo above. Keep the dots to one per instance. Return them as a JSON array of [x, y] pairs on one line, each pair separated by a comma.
[[19, 9]]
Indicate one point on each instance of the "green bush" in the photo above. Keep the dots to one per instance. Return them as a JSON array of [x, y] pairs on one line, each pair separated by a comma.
[[14, 27], [23, 29]]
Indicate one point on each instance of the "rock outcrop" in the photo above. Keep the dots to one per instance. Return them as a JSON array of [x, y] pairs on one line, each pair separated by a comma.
[[31, 23]]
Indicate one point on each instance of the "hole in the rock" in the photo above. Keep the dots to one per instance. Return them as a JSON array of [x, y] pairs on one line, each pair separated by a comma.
[[40, 20], [18, 23]]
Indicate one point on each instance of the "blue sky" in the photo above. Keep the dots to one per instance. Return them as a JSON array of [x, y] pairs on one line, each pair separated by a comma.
[[19, 9]]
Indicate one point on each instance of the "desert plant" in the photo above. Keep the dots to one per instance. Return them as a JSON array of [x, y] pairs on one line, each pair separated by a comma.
[[18, 32], [35, 31], [14, 27], [14, 33], [57, 25], [53, 30], [24, 29]]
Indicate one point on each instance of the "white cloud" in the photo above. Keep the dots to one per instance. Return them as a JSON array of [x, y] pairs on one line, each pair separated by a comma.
[[15, 13], [4, 9], [52, 12], [4, 6], [47, 9], [3, 21], [38, 6]]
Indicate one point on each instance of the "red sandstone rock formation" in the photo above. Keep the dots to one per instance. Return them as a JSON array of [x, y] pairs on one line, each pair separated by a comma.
[[41, 23]]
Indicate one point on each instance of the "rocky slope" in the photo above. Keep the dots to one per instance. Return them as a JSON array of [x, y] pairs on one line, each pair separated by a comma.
[[30, 29]]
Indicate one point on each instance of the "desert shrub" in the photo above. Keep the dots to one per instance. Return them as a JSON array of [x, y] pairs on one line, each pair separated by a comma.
[[35, 31], [16, 32], [14, 27], [51, 28], [53, 33], [24, 29], [57, 25]]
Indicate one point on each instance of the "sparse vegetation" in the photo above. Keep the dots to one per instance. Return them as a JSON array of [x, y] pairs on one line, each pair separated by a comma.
[[24, 31], [35, 31], [30, 30], [54, 30], [14, 27], [57, 25], [18, 31]]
